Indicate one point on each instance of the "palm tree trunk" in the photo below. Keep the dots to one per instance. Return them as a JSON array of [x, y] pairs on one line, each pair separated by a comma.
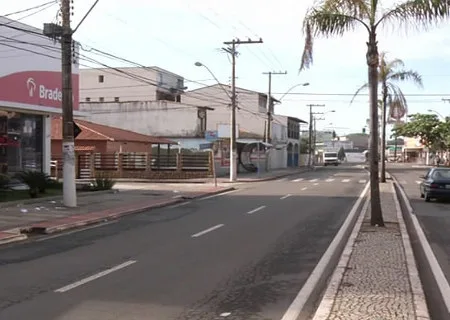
[[376, 216], [383, 134]]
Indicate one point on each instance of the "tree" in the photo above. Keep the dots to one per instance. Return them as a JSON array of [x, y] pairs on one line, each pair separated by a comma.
[[335, 17], [432, 132], [388, 77]]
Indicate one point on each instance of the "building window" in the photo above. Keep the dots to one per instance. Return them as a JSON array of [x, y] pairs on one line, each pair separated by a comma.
[[101, 78], [21, 142], [116, 99], [88, 99], [101, 99]]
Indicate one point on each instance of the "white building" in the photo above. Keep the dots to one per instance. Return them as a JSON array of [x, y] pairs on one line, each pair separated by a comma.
[[30, 81], [130, 84]]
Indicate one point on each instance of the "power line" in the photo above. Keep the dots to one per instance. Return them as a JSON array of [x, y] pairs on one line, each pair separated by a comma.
[[31, 8]]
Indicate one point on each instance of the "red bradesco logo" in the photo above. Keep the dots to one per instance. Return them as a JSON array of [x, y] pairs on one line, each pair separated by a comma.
[[38, 88]]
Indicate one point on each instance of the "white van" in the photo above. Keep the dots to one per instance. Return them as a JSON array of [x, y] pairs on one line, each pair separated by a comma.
[[330, 158]]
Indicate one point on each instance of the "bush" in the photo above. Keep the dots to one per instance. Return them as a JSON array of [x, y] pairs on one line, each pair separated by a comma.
[[103, 183], [36, 181], [4, 180]]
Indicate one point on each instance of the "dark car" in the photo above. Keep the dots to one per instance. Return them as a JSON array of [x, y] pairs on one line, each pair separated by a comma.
[[435, 184]]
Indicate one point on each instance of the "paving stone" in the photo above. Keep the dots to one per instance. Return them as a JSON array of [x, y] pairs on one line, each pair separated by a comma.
[[376, 284]]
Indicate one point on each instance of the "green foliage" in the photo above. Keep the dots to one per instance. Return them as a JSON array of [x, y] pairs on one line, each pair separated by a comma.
[[432, 132], [36, 181], [304, 145], [4, 180], [102, 182]]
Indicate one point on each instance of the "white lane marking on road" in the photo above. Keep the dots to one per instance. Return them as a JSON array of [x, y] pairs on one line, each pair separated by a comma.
[[286, 196], [418, 182], [298, 180], [217, 195], [179, 205], [304, 188], [362, 181], [95, 276], [256, 210], [329, 180], [441, 280], [305, 292], [313, 180], [346, 180], [225, 314], [316, 184], [199, 234]]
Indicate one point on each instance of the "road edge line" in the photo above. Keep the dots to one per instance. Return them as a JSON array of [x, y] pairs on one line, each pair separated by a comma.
[[419, 301], [431, 260], [306, 298]]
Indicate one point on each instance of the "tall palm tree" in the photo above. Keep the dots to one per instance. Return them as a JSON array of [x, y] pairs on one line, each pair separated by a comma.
[[330, 18], [389, 75]]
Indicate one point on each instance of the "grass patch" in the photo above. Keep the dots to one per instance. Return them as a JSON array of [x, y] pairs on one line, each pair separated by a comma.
[[15, 195]]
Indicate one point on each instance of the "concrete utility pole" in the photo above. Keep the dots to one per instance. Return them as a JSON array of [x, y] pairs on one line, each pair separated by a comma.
[[68, 146], [233, 148], [310, 138], [270, 105]]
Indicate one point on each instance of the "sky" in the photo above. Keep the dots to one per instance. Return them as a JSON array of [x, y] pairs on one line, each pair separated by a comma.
[[174, 34]]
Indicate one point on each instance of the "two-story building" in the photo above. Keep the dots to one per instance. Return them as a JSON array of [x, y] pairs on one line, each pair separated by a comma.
[[130, 84]]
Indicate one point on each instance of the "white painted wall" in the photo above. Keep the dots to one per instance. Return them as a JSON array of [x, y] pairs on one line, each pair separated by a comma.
[[128, 84], [157, 118]]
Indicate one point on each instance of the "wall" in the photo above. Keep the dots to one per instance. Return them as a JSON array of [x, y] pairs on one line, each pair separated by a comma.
[[127, 84], [100, 146], [30, 75], [155, 118]]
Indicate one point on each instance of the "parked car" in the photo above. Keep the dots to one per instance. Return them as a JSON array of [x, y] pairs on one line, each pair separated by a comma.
[[435, 184]]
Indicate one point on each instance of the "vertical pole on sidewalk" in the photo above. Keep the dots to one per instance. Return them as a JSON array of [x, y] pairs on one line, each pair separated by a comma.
[[68, 144], [259, 159], [214, 168]]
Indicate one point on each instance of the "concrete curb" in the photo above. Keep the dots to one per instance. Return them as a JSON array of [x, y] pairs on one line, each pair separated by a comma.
[[305, 302], [326, 305], [113, 216], [420, 303], [9, 236], [52, 198], [437, 287]]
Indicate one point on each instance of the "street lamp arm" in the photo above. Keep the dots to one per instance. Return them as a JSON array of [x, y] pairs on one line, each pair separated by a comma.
[[292, 88], [199, 64]]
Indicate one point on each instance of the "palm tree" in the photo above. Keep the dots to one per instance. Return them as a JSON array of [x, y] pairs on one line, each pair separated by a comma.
[[388, 77], [330, 18]]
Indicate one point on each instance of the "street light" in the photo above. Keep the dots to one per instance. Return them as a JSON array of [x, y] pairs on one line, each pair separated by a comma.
[[292, 88], [199, 64], [233, 156], [434, 111]]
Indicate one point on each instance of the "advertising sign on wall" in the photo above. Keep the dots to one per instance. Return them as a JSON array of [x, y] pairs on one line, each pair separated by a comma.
[[30, 75]]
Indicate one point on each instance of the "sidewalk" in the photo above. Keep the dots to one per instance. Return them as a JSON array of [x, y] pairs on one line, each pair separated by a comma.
[[377, 277], [49, 216]]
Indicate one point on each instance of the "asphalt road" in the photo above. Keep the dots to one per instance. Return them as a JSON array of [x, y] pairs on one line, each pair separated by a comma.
[[433, 216], [243, 255]]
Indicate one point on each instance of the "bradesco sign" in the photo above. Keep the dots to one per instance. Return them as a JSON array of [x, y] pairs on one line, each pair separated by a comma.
[[36, 88]]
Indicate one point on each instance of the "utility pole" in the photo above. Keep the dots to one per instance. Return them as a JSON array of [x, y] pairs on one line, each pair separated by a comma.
[[233, 147], [270, 105], [310, 138]]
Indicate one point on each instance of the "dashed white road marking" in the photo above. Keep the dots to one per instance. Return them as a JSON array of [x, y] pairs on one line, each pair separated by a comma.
[[286, 196], [346, 180], [362, 181], [304, 188], [418, 182], [313, 180], [329, 180], [256, 210], [199, 234], [316, 184], [95, 276], [298, 180]]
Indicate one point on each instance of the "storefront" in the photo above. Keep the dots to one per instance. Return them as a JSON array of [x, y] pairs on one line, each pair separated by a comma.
[[30, 94]]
